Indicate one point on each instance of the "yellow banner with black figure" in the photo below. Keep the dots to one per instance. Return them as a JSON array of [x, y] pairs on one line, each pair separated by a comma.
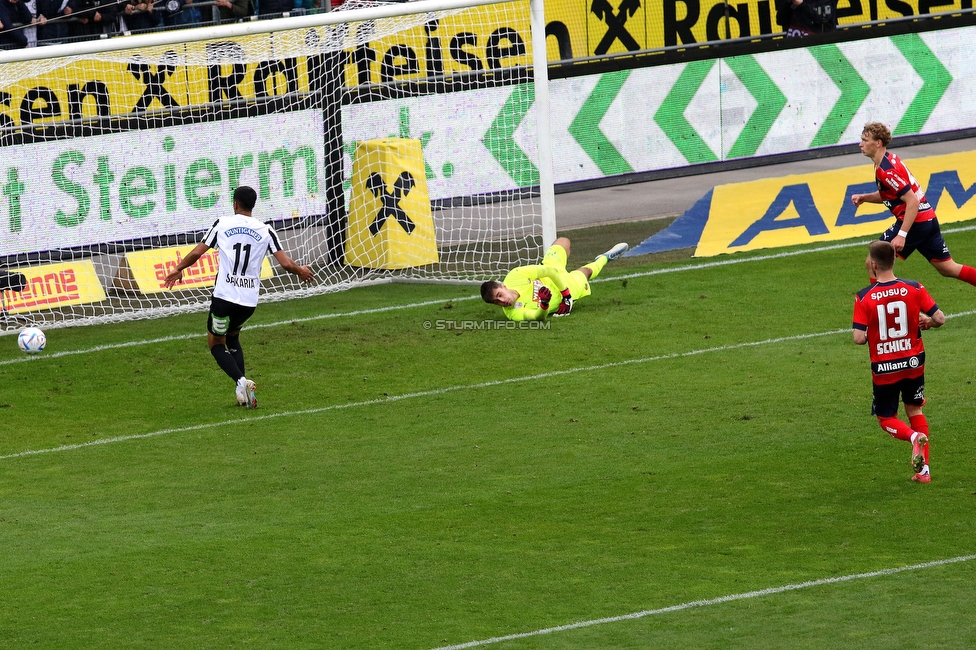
[[390, 221]]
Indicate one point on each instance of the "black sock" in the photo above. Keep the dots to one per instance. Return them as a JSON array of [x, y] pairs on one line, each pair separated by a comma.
[[234, 347], [226, 361]]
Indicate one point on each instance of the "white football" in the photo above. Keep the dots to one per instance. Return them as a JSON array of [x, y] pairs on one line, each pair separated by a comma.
[[32, 340]]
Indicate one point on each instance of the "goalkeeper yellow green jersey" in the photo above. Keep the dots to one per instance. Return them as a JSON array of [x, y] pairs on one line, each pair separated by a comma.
[[527, 280]]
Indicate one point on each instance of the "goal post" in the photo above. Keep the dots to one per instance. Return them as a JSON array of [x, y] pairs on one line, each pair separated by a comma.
[[396, 141]]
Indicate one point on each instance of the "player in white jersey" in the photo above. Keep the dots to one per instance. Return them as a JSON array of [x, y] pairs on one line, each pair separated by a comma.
[[242, 242]]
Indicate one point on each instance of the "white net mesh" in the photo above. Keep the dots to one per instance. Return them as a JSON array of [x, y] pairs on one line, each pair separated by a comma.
[[385, 148]]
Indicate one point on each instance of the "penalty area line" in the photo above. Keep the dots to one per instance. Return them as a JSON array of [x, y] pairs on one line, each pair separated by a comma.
[[250, 326], [434, 392], [419, 394], [712, 601]]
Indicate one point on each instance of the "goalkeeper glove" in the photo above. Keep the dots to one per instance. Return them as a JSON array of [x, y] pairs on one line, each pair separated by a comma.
[[566, 305], [544, 296]]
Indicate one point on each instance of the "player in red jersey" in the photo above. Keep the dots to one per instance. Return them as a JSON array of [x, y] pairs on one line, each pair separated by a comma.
[[889, 316], [916, 226]]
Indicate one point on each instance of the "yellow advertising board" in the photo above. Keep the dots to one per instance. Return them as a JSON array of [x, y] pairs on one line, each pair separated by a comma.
[[55, 285], [582, 28], [480, 39], [139, 81], [390, 221], [817, 207], [134, 82], [146, 271]]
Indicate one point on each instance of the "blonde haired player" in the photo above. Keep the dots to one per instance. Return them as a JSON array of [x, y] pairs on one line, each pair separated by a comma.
[[529, 292], [916, 227]]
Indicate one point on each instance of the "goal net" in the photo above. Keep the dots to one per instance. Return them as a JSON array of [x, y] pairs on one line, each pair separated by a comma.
[[384, 142]]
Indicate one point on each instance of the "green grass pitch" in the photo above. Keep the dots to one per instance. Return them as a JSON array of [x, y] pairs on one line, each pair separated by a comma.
[[695, 433]]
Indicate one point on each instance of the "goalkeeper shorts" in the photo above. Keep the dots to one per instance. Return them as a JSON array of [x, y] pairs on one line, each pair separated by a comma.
[[556, 258]]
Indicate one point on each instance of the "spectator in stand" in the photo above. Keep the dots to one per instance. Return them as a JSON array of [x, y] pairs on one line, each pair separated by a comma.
[[179, 13], [235, 9], [94, 17], [13, 11], [51, 14], [31, 32], [274, 8], [140, 15], [802, 18]]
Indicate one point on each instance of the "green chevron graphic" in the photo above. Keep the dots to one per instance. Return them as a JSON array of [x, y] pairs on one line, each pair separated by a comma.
[[853, 91], [934, 75], [500, 142], [670, 115], [770, 101], [585, 127]]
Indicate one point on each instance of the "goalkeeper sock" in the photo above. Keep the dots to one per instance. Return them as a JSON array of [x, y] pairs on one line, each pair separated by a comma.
[[226, 361], [898, 429], [234, 347], [596, 266]]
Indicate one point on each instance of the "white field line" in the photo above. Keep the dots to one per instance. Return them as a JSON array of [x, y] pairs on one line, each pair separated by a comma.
[[436, 391], [426, 393], [379, 310], [712, 601], [250, 326], [562, 628]]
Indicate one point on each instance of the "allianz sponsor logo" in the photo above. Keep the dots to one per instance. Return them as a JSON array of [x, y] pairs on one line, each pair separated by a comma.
[[888, 293], [895, 366], [243, 230]]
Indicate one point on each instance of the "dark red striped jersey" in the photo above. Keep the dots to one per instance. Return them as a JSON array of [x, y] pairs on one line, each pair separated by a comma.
[[888, 312], [894, 181]]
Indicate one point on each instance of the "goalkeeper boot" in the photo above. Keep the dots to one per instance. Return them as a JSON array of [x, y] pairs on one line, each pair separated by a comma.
[[918, 458], [615, 252]]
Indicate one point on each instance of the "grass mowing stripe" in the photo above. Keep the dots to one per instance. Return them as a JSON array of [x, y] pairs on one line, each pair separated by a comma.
[[712, 601], [427, 303], [436, 391], [426, 393]]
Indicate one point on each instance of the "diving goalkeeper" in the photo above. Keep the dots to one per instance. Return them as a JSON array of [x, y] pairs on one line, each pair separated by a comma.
[[547, 289]]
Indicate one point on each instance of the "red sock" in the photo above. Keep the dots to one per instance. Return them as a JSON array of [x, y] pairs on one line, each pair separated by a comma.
[[968, 274], [920, 424], [898, 429]]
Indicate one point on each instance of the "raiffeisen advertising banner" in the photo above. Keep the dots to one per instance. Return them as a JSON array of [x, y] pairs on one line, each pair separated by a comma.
[[597, 27], [140, 184], [811, 208]]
